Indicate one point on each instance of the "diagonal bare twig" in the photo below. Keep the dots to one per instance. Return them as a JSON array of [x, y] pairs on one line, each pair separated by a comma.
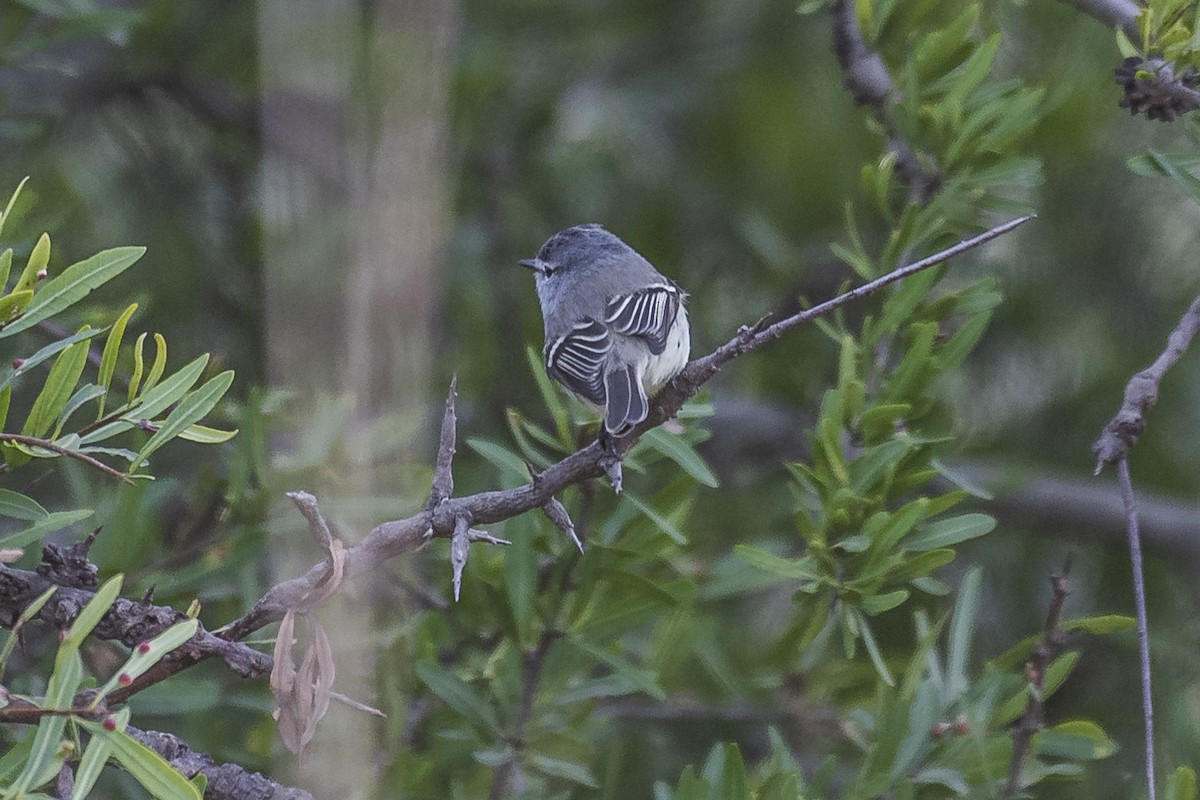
[[46, 444]]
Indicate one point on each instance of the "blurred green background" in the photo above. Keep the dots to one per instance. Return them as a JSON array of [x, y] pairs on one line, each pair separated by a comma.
[[335, 195]]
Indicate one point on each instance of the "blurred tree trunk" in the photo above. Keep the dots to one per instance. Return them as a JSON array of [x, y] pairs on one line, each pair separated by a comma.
[[354, 107]]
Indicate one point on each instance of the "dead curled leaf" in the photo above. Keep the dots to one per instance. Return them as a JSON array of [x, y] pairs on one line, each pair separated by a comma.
[[302, 693]]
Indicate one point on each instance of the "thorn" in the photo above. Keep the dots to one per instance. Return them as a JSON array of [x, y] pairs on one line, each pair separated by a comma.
[[557, 513], [483, 536], [443, 476], [460, 545]]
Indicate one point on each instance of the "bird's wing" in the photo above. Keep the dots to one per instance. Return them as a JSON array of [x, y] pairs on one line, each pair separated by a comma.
[[576, 359], [647, 314]]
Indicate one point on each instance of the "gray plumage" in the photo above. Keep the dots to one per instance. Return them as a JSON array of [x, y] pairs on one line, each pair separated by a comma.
[[616, 329]]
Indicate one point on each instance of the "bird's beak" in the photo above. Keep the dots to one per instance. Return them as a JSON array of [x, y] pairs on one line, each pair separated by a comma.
[[534, 264]]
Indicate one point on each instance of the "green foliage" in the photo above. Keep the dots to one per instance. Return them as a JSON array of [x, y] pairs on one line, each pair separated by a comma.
[[1170, 29], [724, 776], [44, 432], [641, 617], [36, 759], [718, 149], [51, 428]]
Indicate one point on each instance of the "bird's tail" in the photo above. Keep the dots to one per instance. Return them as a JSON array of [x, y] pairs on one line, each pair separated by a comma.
[[625, 403]]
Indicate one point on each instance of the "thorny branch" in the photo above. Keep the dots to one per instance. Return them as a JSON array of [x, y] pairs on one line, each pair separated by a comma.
[[1035, 670], [225, 781], [443, 517], [395, 537]]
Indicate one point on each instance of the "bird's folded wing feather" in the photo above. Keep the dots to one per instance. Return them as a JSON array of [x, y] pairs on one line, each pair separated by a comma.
[[647, 314], [576, 359]]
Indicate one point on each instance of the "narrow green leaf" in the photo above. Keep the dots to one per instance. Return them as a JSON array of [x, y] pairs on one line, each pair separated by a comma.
[[920, 565], [18, 506], [639, 679], [12, 304], [881, 667], [13, 761], [799, 568], [950, 531], [457, 694], [664, 524], [733, 778], [191, 409], [1056, 674], [30, 611], [1078, 739], [5, 401], [157, 648], [922, 714], [95, 756], [962, 630], [952, 779], [139, 367], [39, 257], [91, 614], [520, 578], [550, 398], [562, 768], [12, 201], [205, 435], [44, 759], [48, 524], [160, 363], [152, 403], [858, 543], [112, 349], [879, 603], [48, 351], [147, 767], [60, 385], [1100, 624], [682, 453], [500, 457], [84, 395], [1181, 784], [74, 284]]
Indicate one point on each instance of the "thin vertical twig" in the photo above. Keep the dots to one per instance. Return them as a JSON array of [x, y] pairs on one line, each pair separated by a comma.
[[1139, 605], [1036, 667]]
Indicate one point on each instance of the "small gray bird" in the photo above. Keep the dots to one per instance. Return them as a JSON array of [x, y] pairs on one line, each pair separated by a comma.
[[616, 330]]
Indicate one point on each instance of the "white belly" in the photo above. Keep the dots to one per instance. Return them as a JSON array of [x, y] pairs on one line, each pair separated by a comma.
[[661, 368]]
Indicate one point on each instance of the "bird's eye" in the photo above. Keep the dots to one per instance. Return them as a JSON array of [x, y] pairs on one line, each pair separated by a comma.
[[547, 271]]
